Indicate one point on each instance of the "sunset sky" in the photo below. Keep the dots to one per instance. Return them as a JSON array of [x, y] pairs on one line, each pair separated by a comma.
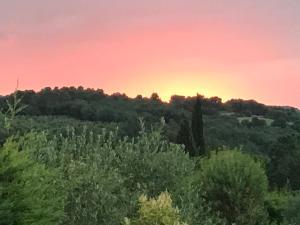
[[246, 49]]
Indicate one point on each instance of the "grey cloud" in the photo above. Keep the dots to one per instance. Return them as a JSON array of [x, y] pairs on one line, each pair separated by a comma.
[[46, 17], [31, 12]]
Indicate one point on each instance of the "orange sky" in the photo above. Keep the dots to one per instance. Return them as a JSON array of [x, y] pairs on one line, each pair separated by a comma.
[[233, 50]]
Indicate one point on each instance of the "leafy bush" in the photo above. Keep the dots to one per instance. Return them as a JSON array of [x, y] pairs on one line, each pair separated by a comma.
[[94, 195], [104, 174], [30, 193], [94, 189], [156, 211], [284, 162], [193, 207], [151, 165], [276, 203], [235, 186], [78, 177], [291, 213]]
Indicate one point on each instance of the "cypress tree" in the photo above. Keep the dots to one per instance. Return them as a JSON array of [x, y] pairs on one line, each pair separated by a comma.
[[197, 128], [184, 137]]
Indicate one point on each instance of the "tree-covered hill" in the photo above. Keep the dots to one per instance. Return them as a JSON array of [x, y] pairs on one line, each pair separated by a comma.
[[78, 156], [243, 123]]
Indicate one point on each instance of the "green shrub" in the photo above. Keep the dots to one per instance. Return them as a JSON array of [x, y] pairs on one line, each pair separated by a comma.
[[104, 174], [275, 204], [193, 207], [95, 195], [151, 165], [30, 193], [94, 188], [291, 213], [156, 211], [235, 186], [283, 207]]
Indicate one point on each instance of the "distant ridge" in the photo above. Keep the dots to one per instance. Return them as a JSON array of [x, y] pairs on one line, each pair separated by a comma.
[[167, 102]]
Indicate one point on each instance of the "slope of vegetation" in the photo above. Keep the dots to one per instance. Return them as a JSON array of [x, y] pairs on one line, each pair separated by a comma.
[[223, 121], [80, 157]]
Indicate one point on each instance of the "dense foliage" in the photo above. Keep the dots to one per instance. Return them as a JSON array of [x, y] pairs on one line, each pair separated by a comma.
[[81, 157], [234, 185], [30, 192], [156, 211], [103, 174], [249, 124], [291, 213]]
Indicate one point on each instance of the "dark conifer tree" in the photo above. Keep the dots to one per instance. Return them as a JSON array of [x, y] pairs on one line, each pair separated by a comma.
[[184, 137], [197, 128]]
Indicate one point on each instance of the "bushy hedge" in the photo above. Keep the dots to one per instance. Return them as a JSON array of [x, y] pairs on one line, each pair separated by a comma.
[[91, 179], [103, 175], [30, 193], [156, 211], [235, 185]]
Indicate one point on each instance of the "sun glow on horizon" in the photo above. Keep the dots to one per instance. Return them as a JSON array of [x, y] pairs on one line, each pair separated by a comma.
[[180, 83]]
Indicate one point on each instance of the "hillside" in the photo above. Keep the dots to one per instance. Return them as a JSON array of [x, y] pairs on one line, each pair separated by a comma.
[[87, 158], [235, 123]]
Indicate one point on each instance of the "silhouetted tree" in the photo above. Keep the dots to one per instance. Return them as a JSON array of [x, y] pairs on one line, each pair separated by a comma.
[[184, 137], [197, 128], [155, 97], [139, 97], [284, 164], [247, 107], [177, 99]]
